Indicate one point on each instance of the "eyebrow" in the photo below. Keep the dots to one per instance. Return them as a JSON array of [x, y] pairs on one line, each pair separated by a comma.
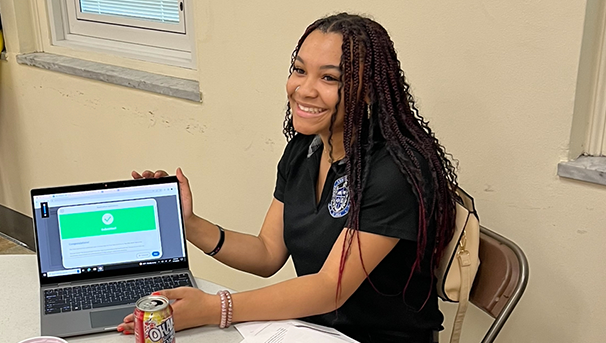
[[326, 66]]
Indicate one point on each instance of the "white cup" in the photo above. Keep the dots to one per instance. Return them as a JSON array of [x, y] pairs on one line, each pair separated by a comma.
[[44, 339]]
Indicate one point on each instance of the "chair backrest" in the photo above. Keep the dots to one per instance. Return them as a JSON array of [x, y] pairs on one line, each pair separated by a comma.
[[500, 281]]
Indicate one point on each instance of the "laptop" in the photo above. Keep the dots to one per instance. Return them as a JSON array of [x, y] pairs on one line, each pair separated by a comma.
[[102, 246]]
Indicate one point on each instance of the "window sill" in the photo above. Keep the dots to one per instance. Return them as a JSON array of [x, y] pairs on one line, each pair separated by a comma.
[[585, 168], [156, 83]]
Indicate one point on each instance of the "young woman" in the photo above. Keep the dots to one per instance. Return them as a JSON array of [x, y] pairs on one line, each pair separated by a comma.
[[363, 203]]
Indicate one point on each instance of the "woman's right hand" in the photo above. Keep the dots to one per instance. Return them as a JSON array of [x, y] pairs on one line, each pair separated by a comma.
[[186, 196]]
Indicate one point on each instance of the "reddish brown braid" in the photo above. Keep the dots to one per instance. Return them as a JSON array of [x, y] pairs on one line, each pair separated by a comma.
[[394, 116]]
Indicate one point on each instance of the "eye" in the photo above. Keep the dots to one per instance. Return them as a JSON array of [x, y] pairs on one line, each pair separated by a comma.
[[298, 70], [329, 78]]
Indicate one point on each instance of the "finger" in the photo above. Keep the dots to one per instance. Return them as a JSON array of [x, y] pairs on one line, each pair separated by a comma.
[[181, 176], [174, 293], [128, 323], [148, 174], [136, 175], [171, 294], [126, 327], [183, 183], [160, 173]]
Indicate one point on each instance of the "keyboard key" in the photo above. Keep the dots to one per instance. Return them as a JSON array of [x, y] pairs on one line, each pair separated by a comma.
[[52, 310], [55, 301]]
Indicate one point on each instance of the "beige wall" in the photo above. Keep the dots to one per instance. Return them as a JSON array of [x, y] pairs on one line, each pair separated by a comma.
[[502, 72]]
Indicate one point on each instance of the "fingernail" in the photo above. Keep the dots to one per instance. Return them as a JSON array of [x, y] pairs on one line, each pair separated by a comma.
[[120, 329], [155, 293], [128, 333]]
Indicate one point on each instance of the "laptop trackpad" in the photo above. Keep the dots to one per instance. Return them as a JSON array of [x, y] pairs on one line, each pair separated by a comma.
[[109, 318]]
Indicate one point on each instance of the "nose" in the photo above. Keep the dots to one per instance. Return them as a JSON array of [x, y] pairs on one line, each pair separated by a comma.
[[306, 89]]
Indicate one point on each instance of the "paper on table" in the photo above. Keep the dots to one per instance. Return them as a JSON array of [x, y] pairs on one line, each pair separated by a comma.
[[249, 329], [290, 331]]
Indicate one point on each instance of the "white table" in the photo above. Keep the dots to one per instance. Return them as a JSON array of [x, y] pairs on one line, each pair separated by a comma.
[[20, 308]]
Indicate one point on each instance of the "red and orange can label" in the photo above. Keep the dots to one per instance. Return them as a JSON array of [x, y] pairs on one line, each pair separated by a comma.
[[154, 320]]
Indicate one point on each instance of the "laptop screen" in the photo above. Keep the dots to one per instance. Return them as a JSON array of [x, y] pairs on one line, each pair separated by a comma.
[[118, 228]]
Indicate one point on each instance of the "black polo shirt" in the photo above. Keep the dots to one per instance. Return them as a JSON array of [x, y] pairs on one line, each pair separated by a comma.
[[390, 208]]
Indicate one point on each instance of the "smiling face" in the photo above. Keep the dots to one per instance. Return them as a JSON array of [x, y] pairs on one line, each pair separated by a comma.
[[313, 87]]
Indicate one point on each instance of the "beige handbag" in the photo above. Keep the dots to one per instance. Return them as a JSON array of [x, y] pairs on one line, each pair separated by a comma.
[[460, 261]]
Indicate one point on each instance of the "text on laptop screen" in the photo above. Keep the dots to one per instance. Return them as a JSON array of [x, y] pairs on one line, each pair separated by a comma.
[[100, 230]]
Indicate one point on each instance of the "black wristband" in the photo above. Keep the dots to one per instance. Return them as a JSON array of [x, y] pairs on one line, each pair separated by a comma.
[[220, 244]]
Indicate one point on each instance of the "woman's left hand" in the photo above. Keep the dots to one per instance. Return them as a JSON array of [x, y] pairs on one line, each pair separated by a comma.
[[192, 307]]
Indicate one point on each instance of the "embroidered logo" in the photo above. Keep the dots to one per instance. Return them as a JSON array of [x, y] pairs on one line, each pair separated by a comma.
[[339, 203]]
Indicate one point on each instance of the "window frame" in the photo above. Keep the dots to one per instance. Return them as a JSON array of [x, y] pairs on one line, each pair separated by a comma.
[[148, 44]]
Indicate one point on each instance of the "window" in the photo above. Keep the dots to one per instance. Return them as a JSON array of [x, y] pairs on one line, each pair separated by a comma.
[[595, 144], [590, 104], [153, 30], [164, 15], [587, 154]]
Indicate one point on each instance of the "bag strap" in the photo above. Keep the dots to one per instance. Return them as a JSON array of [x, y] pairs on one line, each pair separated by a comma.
[[465, 266]]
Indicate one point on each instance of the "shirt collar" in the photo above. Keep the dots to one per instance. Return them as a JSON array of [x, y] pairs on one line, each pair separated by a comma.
[[317, 143]]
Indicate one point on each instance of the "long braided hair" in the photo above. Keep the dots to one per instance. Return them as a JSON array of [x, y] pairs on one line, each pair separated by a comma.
[[385, 111]]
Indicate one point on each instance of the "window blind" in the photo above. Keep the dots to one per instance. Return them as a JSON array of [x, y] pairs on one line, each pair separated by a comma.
[[164, 11]]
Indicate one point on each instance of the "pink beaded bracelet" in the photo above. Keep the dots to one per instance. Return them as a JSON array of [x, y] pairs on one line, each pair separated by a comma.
[[226, 309]]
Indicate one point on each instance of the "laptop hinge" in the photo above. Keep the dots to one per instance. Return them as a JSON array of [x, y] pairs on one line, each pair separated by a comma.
[[166, 272], [64, 284]]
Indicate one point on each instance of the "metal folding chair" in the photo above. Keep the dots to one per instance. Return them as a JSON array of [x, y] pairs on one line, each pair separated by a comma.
[[500, 281]]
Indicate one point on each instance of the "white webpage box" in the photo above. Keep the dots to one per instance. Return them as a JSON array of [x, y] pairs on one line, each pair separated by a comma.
[[109, 233]]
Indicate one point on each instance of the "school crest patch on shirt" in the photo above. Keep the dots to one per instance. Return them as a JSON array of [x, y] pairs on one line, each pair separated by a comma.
[[339, 203]]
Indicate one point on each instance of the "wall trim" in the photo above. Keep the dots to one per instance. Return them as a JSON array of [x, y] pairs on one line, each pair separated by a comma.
[[585, 168], [156, 83]]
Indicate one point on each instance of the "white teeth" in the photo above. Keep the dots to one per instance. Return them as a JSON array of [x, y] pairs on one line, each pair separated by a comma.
[[313, 110]]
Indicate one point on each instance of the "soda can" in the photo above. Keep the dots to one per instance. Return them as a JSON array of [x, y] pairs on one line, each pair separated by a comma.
[[154, 320]]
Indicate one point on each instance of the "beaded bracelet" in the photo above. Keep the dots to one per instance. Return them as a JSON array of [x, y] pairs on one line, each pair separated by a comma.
[[226, 309], [219, 244]]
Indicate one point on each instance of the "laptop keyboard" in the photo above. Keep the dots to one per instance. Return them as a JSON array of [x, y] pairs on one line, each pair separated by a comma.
[[76, 298]]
